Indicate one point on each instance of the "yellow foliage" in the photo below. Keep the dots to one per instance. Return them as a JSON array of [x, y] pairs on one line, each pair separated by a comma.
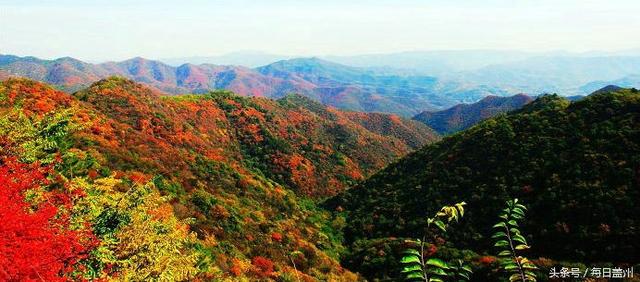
[[147, 241]]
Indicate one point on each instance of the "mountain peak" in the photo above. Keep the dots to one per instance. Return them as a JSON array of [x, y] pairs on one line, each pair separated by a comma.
[[116, 86], [608, 88]]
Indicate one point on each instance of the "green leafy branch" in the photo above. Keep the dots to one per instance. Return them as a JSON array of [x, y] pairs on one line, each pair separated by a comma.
[[510, 240], [417, 266]]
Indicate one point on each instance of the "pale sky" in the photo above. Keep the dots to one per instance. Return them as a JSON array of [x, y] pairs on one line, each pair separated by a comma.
[[119, 29]]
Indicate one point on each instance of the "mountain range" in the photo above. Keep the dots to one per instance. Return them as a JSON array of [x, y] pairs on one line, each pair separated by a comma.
[[330, 83], [569, 75], [533, 73], [377, 83]]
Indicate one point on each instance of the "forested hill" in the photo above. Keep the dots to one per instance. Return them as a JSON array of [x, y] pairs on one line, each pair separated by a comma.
[[463, 116], [575, 165], [213, 187], [315, 150]]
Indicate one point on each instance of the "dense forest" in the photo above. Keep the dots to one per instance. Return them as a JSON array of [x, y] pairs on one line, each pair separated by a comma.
[[576, 166], [119, 182]]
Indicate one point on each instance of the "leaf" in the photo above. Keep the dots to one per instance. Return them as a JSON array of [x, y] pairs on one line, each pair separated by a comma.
[[501, 243], [513, 223], [501, 224], [460, 207], [517, 216], [437, 271], [410, 259], [440, 225], [412, 268], [519, 238], [505, 253], [522, 247], [437, 262], [510, 267], [530, 276], [414, 275], [454, 214], [519, 211], [499, 235], [411, 252], [435, 279]]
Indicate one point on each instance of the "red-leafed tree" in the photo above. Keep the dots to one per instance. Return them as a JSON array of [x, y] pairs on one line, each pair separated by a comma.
[[35, 244]]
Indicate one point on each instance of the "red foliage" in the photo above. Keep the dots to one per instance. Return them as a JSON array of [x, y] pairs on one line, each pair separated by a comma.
[[432, 250], [275, 236], [34, 245], [264, 266], [487, 260], [92, 173], [139, 178]]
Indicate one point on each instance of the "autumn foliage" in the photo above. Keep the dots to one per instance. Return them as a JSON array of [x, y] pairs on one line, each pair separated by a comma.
[[170, 188], [35, 242], [263, 266]]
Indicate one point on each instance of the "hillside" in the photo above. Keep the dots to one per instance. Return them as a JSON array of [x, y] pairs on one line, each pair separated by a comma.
[[302, 144], [232, 178], [576, 166], [463, 116]]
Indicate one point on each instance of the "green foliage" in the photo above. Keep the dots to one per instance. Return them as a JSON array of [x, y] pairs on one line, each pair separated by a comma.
[[36, 138], [418, 266], [574, 164], [510, 241]]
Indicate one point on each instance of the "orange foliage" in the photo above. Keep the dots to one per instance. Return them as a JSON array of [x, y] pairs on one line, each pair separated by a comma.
[[254, 131], [162, 212], [215, 154]]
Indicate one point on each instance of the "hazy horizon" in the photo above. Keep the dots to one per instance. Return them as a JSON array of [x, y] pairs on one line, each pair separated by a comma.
[[118, 30]]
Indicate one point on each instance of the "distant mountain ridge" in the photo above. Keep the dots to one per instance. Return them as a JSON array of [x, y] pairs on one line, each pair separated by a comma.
[[556, 74], [330, 83], [405, 83], [72, 74], [625, 82], [250, 59], [463, 116]]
